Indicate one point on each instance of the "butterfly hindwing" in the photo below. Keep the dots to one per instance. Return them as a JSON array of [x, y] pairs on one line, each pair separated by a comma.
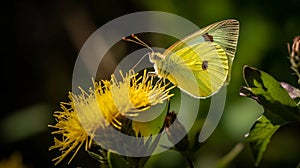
[[199, 69]]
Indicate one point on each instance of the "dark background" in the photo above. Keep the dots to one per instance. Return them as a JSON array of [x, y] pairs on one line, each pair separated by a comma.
[[41, 40]]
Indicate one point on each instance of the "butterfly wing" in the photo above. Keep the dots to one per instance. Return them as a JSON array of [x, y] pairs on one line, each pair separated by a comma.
[[200, 69], [225, 33]]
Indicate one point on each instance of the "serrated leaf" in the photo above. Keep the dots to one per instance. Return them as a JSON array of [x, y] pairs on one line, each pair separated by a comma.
[[279, 108], [260, 136], [263, 88], [151, 127], [148, 142], [96, 156]]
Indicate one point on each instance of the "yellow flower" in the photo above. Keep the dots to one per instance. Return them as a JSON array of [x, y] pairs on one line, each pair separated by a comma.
[[74, 136], [102, 106], [105, 102], [135, 95]]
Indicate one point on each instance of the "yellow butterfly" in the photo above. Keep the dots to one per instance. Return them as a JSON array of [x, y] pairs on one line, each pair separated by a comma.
[[199, 64]]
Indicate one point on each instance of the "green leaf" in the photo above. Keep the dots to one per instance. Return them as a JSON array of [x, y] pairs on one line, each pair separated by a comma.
[[117, 161], [260, 136], [96, 156], [142, 146], [99, 154], [151, 127], [280, 108]]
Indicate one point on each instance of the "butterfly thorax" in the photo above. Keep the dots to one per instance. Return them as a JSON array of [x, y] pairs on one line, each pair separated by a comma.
[[158, 59], [155, 56]]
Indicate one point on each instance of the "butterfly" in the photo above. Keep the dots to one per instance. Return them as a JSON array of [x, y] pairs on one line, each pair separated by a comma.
[[199, 64]]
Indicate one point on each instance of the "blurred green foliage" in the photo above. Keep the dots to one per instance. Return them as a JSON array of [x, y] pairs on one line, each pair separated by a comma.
[[42, 40]]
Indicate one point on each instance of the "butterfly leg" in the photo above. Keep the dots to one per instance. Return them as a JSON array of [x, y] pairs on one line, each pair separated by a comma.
[[153, 74]]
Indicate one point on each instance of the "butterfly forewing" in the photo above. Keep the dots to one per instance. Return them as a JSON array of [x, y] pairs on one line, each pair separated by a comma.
[[225, 33]]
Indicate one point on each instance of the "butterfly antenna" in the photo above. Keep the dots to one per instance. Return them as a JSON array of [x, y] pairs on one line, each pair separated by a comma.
[[140, 60], [138, 41]]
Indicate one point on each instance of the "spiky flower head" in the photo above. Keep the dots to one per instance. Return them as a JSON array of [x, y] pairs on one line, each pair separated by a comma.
[[102, 106]]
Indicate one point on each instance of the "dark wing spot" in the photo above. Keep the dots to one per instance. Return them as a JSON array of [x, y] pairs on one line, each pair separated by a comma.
[[204, 65], [208, 37]]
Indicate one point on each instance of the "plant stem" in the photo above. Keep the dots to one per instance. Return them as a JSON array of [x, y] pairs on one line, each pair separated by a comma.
[[188, 159], [230, 156]]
